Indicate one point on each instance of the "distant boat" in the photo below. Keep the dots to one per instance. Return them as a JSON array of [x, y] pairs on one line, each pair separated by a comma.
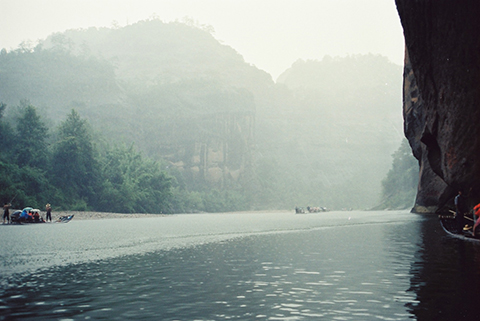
[[64, 219], [301, 210]]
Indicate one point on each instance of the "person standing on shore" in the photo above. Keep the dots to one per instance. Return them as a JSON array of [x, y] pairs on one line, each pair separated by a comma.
[[6, 212], [48, 207]]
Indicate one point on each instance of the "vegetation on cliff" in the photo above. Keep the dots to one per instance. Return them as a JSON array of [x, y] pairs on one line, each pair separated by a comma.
[[400, 185]]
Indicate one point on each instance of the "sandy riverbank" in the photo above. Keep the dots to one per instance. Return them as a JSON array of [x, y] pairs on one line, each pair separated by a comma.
[[104, 215], [98, 215]]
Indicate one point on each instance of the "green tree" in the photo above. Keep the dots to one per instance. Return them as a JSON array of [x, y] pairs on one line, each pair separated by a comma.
[[24, 175], [31, 139], [6, 137], [74, 165], [7, 167], [132, 183], [400, 184]]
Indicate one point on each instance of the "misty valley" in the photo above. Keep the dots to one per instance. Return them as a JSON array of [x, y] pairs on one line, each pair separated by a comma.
[[161, 117], [186, 183]]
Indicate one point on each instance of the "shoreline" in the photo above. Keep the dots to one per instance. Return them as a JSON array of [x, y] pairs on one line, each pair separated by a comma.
[[81, 215]]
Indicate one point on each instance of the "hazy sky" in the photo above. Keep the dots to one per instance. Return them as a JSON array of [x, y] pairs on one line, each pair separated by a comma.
[[270, 34]]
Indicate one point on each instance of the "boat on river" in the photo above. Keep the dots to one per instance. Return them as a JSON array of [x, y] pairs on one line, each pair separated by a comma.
[[64, 219], [449, 224], [301, 210]]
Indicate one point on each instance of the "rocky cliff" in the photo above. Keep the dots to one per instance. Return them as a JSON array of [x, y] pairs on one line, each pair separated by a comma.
[[442, 98]]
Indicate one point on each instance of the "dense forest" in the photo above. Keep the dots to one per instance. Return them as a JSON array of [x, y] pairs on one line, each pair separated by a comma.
[[175, 121], [75, 170]]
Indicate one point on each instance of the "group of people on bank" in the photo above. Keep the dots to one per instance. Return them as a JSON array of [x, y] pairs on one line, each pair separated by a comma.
[[27, 215]]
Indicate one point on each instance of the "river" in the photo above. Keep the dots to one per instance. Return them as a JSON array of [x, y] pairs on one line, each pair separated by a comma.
[[240, 266]]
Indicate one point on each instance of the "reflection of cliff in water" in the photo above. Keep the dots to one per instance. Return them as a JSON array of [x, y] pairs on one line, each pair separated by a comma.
[[215, 149], [445, 275]]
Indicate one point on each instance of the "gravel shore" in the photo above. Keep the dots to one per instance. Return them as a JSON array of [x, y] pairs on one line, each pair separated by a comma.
[[97, 215]]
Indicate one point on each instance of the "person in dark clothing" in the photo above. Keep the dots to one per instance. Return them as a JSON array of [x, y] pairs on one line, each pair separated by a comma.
[[460, 210], [48, 207], [6, 212]]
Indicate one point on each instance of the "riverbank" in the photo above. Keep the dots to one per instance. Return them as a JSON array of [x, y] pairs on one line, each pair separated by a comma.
[[80, 215]]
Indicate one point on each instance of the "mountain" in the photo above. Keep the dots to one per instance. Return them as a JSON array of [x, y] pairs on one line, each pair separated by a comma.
[[321, 136], [170, 88], [337, 128]]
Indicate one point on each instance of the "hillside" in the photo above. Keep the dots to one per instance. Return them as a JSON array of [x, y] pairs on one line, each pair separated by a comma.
[[336, 129], [321, 136]]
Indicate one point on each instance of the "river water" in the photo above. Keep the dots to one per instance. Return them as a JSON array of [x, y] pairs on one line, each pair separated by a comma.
[[244, 266]]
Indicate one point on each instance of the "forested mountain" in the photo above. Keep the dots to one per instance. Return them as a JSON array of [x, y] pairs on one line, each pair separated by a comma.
[[335, 127], [321, 136]]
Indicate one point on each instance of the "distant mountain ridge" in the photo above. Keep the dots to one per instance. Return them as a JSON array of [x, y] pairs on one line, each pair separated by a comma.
[[153, 52]]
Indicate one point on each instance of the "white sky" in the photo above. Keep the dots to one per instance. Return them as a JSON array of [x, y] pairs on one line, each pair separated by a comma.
[[270, 34]]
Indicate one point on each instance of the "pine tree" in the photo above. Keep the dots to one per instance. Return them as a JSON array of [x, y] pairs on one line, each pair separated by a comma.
[[74, 165], [31, 139]]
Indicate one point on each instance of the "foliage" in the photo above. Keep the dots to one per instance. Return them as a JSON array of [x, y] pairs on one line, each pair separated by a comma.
[[8, 172], [79, 177], [74, 165], [73, 177], [132, 183], [25, 159], [400, 185], [5, 134], [31, 136]]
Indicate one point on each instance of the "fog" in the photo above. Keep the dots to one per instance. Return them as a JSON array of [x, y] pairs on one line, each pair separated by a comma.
[[270, 34], [255, 104]]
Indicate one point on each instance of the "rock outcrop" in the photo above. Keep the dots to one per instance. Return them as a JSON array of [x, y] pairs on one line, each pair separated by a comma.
[[442, 98]]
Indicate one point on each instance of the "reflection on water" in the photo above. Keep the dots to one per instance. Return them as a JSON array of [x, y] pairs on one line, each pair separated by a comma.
[[371, 268], [445, 276]]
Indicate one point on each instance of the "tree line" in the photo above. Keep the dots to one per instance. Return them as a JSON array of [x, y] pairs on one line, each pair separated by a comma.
[[74, 169]]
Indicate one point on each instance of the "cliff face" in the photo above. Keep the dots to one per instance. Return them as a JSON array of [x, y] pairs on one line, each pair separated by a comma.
[[214, 150], [442, 97]]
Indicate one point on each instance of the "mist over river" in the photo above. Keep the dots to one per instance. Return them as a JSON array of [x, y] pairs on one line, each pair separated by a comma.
[[239, 266]]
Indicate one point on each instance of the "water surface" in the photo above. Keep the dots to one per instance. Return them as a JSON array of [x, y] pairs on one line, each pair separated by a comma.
[[248, 266]]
